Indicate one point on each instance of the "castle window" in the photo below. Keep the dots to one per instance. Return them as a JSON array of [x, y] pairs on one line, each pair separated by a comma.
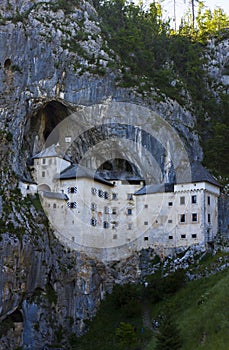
[[170, 221], [170, 204], [114, 211], [43, 161], [43, 173], [115, 236], [100, 193], [129, 196], [73, 239], [182, 218], [129, 211], [194, 199], [194, 217], [183, 236], [114, 196], [93, 222], [106, 210], [93, 206], [114, 224], [54, 205], [27, 187], [68, 139], [182, 200], [146, 206], [105, 224], [146, 238], [72, 205], [129, 226], [106, 195], [72, 189], [170, 237], [146, 223], [93, 190], [209, 200], [194, 235], [209, 218]]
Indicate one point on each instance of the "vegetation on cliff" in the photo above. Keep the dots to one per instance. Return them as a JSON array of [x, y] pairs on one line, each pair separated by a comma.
[[194, 314], [154, 56]]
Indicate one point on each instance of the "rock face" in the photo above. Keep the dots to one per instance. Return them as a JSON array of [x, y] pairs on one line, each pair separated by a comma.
[[53, 60]]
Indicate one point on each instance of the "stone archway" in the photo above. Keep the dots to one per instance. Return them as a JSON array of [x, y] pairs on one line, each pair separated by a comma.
[[43, 188]]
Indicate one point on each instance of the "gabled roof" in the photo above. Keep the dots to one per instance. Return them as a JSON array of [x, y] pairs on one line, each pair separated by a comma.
[[52, 151], [55, 195], [201, 174], [155, 188], [77, 171]]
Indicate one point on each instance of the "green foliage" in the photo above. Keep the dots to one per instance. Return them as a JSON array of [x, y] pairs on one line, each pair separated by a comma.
[[9, 136], [126, 335], [155, 56], [168, 337], [161, 288], [51, 294], [200, 307], [208, 24], [35, 200], [66, 6]]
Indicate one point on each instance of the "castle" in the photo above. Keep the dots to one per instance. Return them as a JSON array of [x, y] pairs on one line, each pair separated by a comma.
[[110, 216]]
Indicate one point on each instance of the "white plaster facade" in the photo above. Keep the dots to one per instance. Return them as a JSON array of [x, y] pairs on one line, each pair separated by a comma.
[[111, 219], [27, 187]]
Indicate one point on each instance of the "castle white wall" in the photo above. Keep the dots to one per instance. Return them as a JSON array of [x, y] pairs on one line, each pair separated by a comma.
[[47, 169], [112, 222], [27, 188]]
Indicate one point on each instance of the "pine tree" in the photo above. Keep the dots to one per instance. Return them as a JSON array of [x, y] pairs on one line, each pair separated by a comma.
[[168, 337], [126, 335]]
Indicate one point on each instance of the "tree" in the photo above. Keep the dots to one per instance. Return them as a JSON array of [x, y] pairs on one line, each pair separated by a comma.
[[210, 23], [126, 335], [168, 337]]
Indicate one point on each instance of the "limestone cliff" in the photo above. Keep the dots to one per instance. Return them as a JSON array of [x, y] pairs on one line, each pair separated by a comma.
[[53, 60]]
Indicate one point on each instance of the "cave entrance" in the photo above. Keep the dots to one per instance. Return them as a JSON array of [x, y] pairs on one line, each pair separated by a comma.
[[119, 168], [53, 112], [118, 164], [16, 316], [42, 123]]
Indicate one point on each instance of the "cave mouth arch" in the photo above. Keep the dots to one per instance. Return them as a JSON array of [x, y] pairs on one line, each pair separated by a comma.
[[53, 113], [42, 122], [119, 165], [15, 317]]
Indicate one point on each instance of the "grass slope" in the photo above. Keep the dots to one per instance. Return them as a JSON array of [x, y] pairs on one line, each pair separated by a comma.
[[200, 308]]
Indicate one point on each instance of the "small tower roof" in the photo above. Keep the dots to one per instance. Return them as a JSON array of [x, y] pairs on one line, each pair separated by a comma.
[[52, 151], [201, 174]]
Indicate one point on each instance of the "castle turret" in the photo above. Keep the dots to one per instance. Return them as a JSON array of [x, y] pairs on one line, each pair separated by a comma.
[[48, 164]]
